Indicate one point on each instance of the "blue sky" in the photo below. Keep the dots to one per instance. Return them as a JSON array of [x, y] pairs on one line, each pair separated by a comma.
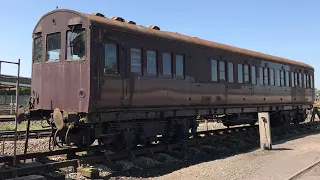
[[289, 29]]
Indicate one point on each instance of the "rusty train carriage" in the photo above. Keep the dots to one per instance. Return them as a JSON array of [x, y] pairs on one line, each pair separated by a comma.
[[125, 84]]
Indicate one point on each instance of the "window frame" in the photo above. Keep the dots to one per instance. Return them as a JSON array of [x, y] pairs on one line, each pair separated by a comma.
[[156, 63], [253, 75], [228, 70], [287, 78], [46, 58], [33, 49], [223, 71], [266, 69], [261, 76], [244, 74], [300, 82], [217, 70], [183, 66], [297, 80], [141, 61], [66, 47], [293, 81], [240, 73], [278, 78], [282, 78], [272, 80], [117, 58], [305, 80], [171, 65]]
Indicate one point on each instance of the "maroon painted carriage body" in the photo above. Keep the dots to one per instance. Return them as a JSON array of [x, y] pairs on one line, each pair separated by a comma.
[[116, 70]]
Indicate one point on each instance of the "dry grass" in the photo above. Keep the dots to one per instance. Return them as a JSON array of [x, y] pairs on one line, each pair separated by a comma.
[[34, 125]]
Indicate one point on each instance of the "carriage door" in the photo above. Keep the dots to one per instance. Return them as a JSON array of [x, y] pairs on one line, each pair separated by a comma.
[[113, 82], [125, 68], [246, 89]]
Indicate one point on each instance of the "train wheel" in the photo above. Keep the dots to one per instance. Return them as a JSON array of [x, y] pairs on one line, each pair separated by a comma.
[[127, 139], [82, 138]]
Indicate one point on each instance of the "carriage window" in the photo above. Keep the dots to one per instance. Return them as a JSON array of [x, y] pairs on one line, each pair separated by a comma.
[[214, 70], [222, 71], [111, 58], [300, 80], [246, 74], [261, 75], [271, 71], [135, 55], [292, 79], [297, 80], [282, 78], [230, 72], [179, 65], [240, 75], [151, 62], [53, 47], [37, 50], [253, 75], [305, 81], [278, 78], [166, 64], [308, 81], [287, 79], [266, 76], [76, 44], [311, 81]]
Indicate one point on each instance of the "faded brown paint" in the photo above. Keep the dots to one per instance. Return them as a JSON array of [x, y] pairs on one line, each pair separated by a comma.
[[187, 39], [57, 84]]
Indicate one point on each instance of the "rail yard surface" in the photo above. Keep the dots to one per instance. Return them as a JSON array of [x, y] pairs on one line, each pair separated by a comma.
[[229, 156], [311, 174], [286, 158]]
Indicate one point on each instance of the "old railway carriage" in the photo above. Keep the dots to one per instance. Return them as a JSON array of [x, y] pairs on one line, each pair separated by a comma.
[[126, 84]]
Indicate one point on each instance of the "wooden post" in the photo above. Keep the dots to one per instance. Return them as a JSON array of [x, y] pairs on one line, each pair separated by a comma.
[[206, 122], [27, 139], [3, 144], [16, 118], [264, 130]]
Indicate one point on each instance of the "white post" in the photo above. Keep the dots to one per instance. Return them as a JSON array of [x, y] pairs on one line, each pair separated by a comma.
[[11, 105], [264, 130]]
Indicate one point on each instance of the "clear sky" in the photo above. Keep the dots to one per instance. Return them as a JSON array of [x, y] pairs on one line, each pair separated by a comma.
[[287, 28]]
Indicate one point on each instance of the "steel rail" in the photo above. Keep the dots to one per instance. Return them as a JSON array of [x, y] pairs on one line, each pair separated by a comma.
[[99, 157]]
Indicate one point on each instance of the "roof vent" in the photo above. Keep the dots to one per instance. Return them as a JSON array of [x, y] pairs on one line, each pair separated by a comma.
[[98, 14], [154, 27], [117, 18], [131, 22]]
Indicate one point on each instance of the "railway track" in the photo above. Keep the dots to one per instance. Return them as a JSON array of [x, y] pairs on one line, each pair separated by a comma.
[[33, 134], [217, 137], [7, 118], [36, 134], [304, 171]]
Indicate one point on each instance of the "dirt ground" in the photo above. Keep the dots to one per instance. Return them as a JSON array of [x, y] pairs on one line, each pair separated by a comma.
[[284, 160]]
